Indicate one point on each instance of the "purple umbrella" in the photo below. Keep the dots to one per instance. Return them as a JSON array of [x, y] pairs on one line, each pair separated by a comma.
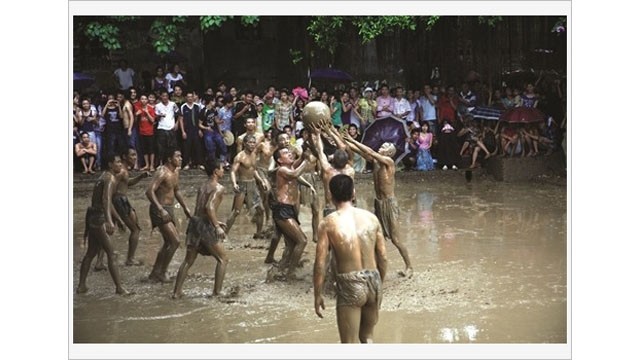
[[82, 80], [387, 129], [330, 74]]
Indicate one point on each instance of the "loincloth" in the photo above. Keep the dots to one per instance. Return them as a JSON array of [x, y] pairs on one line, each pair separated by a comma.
[[251, 194], [201, 232], [387, 212], [306, 196], [359, 288], [94, 218], [156, 215], [123, 206], [282, 211]]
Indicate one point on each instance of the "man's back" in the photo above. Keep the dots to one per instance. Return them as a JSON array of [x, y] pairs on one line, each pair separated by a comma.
[[353, 234]]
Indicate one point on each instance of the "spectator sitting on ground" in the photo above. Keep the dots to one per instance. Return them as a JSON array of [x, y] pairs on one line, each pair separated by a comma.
[[86, 151], [410, 159]]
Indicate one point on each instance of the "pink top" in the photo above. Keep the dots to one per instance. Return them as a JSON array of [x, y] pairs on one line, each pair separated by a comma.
[[424, 141]]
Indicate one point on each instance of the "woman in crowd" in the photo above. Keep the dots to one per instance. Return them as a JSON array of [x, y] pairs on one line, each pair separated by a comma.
[[424, 161]]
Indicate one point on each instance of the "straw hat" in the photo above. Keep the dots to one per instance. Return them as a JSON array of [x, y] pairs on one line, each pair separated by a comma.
[[228, 138]]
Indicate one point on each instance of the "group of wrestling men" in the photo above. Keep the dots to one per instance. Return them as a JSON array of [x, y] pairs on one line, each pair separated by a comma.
[[272, 179]]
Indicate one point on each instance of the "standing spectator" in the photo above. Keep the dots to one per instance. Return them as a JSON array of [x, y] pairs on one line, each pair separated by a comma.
[[428, 103], [313, 94], [347, 107], [177, 96], [415, 115], [145, 116], [115, 132], [157, 83], [222, 87], [447, 106], [191, 133], [400, 105], [173, 78], [165, 134], [283, 113], [269, 113], [297, 117], [467, 98], [259, 108], [358, 161], [384, 102], [234, 94], [124, 75], [225, 114], [367, 108], [86, 151], [210, 124], [244, 110], [336, 110], [324, 98], [133, 129], [530, 98], [448, 149], [100, 101], [355, 116], [424, 161]]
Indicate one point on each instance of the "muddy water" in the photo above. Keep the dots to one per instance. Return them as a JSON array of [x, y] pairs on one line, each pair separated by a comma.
[[490, 262]]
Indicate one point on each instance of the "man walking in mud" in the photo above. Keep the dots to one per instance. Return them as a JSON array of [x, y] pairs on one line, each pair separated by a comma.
[[385, 203], [99, 225], [205, 232], [161, 193], [246, 191], [357, 243]]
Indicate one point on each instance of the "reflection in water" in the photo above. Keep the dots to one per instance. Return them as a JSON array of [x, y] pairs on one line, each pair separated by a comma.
[[488, 259]]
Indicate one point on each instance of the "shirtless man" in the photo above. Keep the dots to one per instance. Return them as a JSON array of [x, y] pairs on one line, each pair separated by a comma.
[[357, 243], [124, 209], [264, 152], [285, 213], [161, 193], [307, 197], [205, 232], [339, 165], [246, 192], [100, 225], [250, 126], [384, 182], [283, 143]]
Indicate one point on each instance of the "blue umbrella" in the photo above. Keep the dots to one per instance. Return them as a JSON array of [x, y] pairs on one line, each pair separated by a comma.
[[330, 74], [82, 80]]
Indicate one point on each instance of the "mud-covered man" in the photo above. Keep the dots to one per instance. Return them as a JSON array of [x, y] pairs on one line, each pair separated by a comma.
[[285, 212], [205, 232], [161, 193], [385, 203], [356, 240], [245, 178], [99, 225]]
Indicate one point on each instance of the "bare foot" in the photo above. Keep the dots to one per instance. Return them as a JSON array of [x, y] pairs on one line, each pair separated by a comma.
[[177, 295], [158, 278], [82, 289], [269, 260], [408, 273], [487, 156], [144, 168], [152, 169], [99, 267], [124, 292], [133, 262]]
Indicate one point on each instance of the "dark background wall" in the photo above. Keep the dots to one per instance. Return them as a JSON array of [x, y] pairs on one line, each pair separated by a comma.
[[256, 57]]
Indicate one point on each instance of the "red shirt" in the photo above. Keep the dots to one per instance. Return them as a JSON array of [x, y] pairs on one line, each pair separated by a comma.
[[145, 122], [445, 109]]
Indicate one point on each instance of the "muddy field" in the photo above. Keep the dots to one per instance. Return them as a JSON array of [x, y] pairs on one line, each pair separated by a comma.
[[490, 262]]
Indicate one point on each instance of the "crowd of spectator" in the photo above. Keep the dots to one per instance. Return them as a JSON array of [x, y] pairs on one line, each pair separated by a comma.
[[163, 113]]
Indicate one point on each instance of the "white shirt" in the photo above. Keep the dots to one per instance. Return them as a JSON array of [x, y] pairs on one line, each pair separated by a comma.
[[125, 77], [168, 121], [171, 81], [401, 106]]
